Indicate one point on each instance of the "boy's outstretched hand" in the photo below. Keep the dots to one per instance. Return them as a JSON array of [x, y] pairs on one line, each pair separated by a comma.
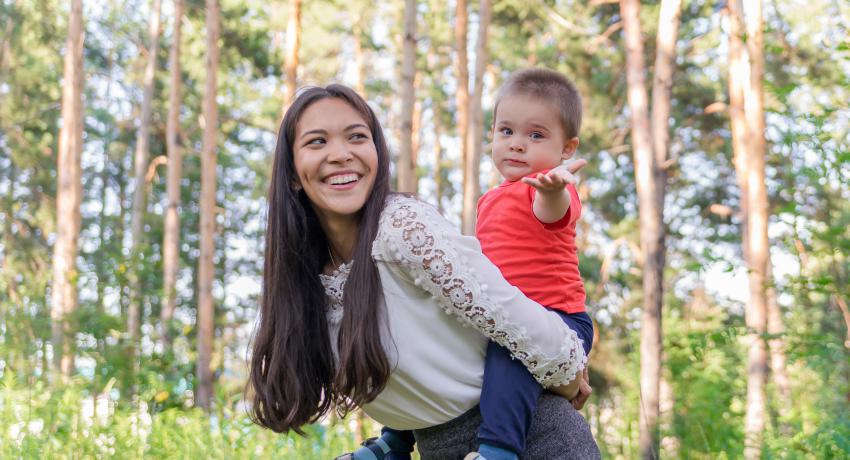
[[557, 178]]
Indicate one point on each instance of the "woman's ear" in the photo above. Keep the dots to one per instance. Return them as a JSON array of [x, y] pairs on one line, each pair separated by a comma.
[[296, 186], [569, 148]]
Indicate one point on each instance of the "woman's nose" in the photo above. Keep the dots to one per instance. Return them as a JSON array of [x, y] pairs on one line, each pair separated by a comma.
[[340, 152]]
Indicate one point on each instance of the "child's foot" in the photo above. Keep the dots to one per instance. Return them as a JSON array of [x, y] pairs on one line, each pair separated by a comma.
[[490, 452], [387, 447]]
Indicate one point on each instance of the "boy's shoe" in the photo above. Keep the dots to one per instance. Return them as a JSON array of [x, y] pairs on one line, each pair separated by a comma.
[[374, 449]]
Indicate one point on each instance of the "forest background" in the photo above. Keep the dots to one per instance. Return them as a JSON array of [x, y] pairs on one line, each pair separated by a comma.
[[135, 151]]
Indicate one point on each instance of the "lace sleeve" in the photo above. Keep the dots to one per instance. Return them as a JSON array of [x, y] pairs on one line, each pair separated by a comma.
[[450, 266]]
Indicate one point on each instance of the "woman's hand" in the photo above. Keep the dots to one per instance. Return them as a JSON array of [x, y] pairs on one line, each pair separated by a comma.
[[584, 391], [570, 390], [577, 391]]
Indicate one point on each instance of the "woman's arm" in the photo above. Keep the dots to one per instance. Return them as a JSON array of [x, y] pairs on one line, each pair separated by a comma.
[[465, 283]]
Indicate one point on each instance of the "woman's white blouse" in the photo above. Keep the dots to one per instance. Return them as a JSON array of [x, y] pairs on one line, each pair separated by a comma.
[[437, 284]]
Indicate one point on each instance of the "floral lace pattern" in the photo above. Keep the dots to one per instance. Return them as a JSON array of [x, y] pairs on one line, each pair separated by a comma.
[[415, 236], [334, 286]]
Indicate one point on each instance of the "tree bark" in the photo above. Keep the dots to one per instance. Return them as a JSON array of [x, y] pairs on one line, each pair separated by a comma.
[[758, 246], [406, 171], [475, 135], [140, 191], [293, 40], [776, 329], [206, 268], [171, 237], [662, 82], [650, 188], [359, 56], [739, 70], [68, 199], [416, 127], [437, 124], [462, 92]]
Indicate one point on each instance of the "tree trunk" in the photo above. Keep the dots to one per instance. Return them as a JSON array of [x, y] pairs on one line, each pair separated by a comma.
[[739, 70], [758, 246], [140, 190], [662, 82], [68, 199], [406, 171], [206, 268], [462, 96], [650, 202], [416, 128], [171, 238], [359, 56], [475, 135], [293, 39], [437, 123], [776, 344], [665, 61]]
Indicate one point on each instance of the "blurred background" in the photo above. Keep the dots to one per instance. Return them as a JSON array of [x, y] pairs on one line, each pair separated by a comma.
[[136, 140]]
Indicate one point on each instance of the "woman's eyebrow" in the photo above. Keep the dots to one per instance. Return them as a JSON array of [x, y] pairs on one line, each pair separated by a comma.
[[356, 125], [313, 131]]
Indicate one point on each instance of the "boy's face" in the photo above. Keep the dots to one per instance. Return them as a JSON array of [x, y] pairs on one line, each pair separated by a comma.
[[528, 137]]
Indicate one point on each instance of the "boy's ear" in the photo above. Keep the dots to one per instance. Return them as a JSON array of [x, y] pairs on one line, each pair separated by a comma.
[[569, 148]]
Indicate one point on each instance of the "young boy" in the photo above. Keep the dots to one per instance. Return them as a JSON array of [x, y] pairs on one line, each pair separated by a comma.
[[526, 227]]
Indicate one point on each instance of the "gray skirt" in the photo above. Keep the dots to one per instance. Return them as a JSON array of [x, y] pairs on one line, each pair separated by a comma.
[[557, 432]]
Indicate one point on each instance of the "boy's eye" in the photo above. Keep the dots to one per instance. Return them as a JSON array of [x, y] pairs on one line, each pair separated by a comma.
[[537, 135], [506, 131]]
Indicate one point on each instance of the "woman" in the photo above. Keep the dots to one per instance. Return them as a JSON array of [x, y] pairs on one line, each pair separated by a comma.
[[368, 298]]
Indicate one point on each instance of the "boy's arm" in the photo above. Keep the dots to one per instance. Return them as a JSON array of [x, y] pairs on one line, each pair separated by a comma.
[[551, 198]]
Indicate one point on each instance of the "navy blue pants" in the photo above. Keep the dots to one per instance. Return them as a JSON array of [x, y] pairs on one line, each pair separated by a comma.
[[509, 393]]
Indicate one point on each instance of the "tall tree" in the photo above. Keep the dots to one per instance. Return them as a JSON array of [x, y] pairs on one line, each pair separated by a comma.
[[359, 52], [756, 228], [140, 192], [293, 43], [475, 137], [662, 81], [650, 141], [68, 197], [776, 345], [171, 238], [206, 268], [462, 95], [406, 171]]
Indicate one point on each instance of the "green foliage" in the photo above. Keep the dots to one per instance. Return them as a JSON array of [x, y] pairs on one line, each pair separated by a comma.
[[40, 422]]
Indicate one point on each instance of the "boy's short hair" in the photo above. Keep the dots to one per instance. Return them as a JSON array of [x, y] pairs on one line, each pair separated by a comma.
[[547, 85]]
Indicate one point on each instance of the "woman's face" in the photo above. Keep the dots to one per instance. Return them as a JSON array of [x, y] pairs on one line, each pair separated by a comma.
[[335, 158]]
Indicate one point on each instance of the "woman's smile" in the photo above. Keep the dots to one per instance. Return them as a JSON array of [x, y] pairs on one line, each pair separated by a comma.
[[343, 180]]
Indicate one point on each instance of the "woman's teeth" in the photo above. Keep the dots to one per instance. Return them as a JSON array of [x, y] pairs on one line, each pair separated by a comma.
[[342, 179]]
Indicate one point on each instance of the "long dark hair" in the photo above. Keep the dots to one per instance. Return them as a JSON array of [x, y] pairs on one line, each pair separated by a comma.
[[293, 378]]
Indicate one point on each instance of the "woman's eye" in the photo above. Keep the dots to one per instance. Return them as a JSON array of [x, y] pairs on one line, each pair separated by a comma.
[[358, 136], [316, 141]]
